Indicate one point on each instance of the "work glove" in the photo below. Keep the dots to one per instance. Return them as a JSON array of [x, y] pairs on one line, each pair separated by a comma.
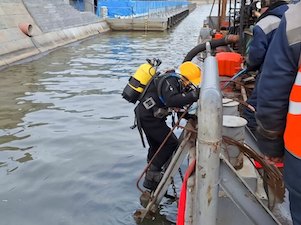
[[196, 93]]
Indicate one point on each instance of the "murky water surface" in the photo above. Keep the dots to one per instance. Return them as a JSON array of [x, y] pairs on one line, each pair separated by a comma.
[[67, 154]]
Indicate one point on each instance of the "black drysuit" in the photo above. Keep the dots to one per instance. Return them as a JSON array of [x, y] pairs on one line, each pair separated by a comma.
[[172, 92]]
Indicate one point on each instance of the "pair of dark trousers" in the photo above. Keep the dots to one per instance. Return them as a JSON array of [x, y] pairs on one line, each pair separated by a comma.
[[292, 177], [156, 130]]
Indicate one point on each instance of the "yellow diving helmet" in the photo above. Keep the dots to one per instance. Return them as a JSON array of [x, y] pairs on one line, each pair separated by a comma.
[[191, 72]]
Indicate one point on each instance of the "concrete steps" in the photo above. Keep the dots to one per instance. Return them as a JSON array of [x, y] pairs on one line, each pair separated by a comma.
[[53, 25], [56, 14]]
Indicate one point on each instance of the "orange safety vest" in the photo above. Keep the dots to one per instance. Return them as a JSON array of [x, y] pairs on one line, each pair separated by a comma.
[[292, 134]]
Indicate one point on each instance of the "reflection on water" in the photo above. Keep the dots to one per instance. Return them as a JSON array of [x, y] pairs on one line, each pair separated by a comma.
[[67, 154]]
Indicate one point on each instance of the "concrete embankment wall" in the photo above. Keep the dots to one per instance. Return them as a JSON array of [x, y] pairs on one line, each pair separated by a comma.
[[54, 24], [158, 20]]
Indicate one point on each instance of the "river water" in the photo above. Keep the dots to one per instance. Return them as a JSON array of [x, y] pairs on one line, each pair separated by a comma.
[[67, 153]]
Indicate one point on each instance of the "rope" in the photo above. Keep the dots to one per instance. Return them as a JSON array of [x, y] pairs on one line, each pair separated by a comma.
[[242, 102]]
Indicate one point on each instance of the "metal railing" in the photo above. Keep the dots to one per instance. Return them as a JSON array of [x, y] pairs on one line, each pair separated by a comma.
[[208, 144]]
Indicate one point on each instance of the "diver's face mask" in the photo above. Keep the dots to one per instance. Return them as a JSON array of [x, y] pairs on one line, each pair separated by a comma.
[[185, 81], [187, 85]]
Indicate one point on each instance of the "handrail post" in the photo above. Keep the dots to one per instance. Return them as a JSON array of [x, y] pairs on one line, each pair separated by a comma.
[[208, 144]]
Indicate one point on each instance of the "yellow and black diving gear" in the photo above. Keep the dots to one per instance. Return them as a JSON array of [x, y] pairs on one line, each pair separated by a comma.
[[164, 92], [159, 93], [139, 81]]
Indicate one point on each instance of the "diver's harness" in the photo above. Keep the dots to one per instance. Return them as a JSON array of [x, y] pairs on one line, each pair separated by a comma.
[[150, 103]]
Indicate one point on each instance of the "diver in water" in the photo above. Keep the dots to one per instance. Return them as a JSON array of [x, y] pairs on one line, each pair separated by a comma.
[[166, 91]]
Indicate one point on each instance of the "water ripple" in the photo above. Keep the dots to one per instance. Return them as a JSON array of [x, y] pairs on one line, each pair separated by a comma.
[[67, 152]]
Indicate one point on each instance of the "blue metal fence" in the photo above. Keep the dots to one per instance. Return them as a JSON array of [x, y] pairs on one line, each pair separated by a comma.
[[121, 8]]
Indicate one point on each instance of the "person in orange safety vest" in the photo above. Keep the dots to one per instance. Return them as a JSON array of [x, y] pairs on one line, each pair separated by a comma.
[[279, 105]]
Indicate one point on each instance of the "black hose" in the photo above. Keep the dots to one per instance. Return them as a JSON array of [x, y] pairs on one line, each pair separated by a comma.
[[202, 47]]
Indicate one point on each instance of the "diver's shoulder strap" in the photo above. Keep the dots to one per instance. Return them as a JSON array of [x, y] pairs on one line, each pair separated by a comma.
[[138, 124], [148, 84], [159, 81]]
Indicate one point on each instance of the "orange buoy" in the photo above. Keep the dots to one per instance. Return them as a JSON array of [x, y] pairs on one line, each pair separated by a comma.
[[229, 63], [26, 28]]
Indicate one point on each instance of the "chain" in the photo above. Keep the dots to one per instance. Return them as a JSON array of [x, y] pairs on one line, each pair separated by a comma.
[[174, 190], [181, 174]]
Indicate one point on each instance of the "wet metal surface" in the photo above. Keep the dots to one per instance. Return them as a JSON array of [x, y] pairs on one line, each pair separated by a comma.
[[67, 154]]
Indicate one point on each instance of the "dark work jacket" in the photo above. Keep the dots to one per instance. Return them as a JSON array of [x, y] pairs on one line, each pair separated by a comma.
[[277, 78], [279, 72], [263, 33]]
